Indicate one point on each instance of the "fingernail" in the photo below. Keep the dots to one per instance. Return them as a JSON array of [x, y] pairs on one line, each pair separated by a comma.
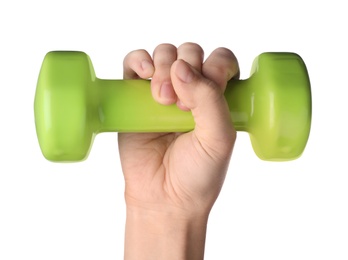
[[167, 91], [184, 72]]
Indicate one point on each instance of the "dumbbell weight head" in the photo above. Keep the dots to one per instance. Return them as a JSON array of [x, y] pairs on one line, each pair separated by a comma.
[[65, 109], [72, 105], [276, 106]]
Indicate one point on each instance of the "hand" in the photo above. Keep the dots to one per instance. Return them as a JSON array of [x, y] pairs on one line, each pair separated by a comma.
[[178, 176]]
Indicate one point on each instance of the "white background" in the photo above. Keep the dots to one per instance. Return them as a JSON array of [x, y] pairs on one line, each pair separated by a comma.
[[290, 210]]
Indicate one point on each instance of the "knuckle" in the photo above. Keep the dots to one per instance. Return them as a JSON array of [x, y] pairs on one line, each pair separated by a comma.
[[191, 47], [164, 55], [223, 51], [226, 54], [134, 56], [164, 47]]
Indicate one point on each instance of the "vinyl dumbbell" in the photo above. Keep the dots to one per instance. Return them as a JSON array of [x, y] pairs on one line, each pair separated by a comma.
[[72, 105]]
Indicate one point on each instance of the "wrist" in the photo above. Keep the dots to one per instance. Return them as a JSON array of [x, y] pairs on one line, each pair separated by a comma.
[[164, 235]]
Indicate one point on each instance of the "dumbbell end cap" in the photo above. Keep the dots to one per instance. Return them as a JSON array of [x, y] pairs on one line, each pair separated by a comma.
[[281, 119], [62, 106]]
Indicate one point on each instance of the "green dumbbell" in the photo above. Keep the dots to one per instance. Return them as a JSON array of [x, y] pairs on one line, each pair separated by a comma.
[[72, 105]]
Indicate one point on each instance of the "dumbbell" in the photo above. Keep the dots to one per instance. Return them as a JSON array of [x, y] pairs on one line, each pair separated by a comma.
[[72, 106]]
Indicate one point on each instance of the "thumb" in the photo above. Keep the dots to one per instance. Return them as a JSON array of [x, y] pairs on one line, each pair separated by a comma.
[[213, 125]]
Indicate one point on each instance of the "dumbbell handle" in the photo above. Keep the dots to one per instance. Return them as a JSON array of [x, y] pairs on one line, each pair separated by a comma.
[[128, 106]]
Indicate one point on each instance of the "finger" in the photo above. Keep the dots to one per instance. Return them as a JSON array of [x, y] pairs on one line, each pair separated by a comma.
[[138, 64], [213, 125], [161, 85], [221, 66], [192, 53]]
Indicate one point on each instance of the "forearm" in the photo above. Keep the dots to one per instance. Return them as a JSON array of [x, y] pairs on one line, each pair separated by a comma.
[[154, 235]]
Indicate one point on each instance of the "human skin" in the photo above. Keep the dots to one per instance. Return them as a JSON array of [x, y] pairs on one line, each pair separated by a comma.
[[172, 180]]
